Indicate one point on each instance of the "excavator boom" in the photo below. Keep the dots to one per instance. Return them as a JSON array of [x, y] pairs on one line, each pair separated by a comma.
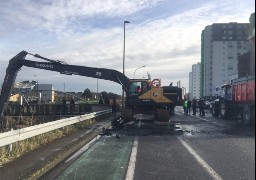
[[19, 60]]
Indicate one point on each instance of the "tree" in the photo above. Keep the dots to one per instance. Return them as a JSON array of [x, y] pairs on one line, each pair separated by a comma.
[[104, 95], [87, 94], [110, 95]]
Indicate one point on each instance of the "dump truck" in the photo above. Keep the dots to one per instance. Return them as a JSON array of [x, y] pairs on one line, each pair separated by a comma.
[[238, 97]]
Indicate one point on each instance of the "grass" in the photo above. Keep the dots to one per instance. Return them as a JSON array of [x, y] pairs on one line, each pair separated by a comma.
[[7, 154]]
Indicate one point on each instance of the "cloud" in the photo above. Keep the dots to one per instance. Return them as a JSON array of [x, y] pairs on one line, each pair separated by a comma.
[[90, 33], [57, 16]]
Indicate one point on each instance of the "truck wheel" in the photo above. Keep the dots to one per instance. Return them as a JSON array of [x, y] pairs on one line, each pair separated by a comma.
[[247, 115], [214, 111], [223, 109], [253, 117]]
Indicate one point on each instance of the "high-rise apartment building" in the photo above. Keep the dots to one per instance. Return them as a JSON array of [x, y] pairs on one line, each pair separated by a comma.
[[190, 85], [194, 81], [221, 44]]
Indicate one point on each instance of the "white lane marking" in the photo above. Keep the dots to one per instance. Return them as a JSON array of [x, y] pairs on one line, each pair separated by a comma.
[[83, 149], [212, 173], [131, 166]]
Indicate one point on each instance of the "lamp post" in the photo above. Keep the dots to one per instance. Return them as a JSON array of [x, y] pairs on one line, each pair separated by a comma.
[[137, 69], [125, 22], [97, 88]]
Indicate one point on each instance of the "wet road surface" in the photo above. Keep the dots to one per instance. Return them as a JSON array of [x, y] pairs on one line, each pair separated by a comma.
[[197, 147]]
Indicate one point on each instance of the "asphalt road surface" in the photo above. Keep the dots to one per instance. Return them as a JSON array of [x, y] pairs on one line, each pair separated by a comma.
[[196, 147]]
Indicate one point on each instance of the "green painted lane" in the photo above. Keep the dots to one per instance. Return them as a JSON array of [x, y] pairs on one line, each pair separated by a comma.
[[107, 159]]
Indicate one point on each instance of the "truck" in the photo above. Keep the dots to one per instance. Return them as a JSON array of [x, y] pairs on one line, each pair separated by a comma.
[[238, 97], [143, 96]]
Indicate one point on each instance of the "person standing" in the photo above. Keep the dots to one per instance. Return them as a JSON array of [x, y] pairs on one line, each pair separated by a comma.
[[72, 105], [101, 101], [189, 106], [186, 106], [201, 107], [194, 104], [114, 104], [64, 105]]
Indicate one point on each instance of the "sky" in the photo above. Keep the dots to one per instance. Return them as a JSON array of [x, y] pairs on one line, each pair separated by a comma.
[[163, 35]]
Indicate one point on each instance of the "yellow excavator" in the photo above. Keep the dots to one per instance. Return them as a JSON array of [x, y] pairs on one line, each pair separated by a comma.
[[143, 96]]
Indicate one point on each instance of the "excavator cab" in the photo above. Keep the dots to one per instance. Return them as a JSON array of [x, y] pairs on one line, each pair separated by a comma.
[[138, 87]]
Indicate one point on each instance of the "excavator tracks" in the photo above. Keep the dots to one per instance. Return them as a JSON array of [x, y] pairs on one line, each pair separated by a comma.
[[163, 115], [127, 115]]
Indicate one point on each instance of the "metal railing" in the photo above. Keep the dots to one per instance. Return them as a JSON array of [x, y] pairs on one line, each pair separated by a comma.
[[13, 136], [52, 109]]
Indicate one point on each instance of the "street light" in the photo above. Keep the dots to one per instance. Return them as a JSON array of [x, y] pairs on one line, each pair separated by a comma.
[[97, 88], [137, 69], [125, 22]]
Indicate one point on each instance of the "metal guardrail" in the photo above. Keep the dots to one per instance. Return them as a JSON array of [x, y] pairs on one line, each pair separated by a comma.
[[13, 136], [53, 109]]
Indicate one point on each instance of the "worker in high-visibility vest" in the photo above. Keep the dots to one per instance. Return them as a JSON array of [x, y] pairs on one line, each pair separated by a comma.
[[186, 106]]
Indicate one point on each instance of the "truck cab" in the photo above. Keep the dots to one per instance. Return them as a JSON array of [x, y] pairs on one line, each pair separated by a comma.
[[226, 92]]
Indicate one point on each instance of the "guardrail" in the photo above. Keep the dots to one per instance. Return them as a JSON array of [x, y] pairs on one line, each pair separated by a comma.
[[53, 109], [13, 136]]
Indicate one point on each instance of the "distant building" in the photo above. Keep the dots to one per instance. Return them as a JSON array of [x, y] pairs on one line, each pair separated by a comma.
[[221, 44], [194, 81], [45, 92], [14, 98], [190, 89]]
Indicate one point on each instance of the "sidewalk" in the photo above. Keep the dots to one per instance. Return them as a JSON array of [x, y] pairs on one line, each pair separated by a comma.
[[35, 163]]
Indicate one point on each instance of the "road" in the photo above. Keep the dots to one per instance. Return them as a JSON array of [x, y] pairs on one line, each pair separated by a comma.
[[195, 148]]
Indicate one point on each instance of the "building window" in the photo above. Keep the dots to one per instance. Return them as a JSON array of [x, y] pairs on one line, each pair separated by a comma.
[[224, 37], [230, 68], [224, 26], [230, 37], [239, 32]]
